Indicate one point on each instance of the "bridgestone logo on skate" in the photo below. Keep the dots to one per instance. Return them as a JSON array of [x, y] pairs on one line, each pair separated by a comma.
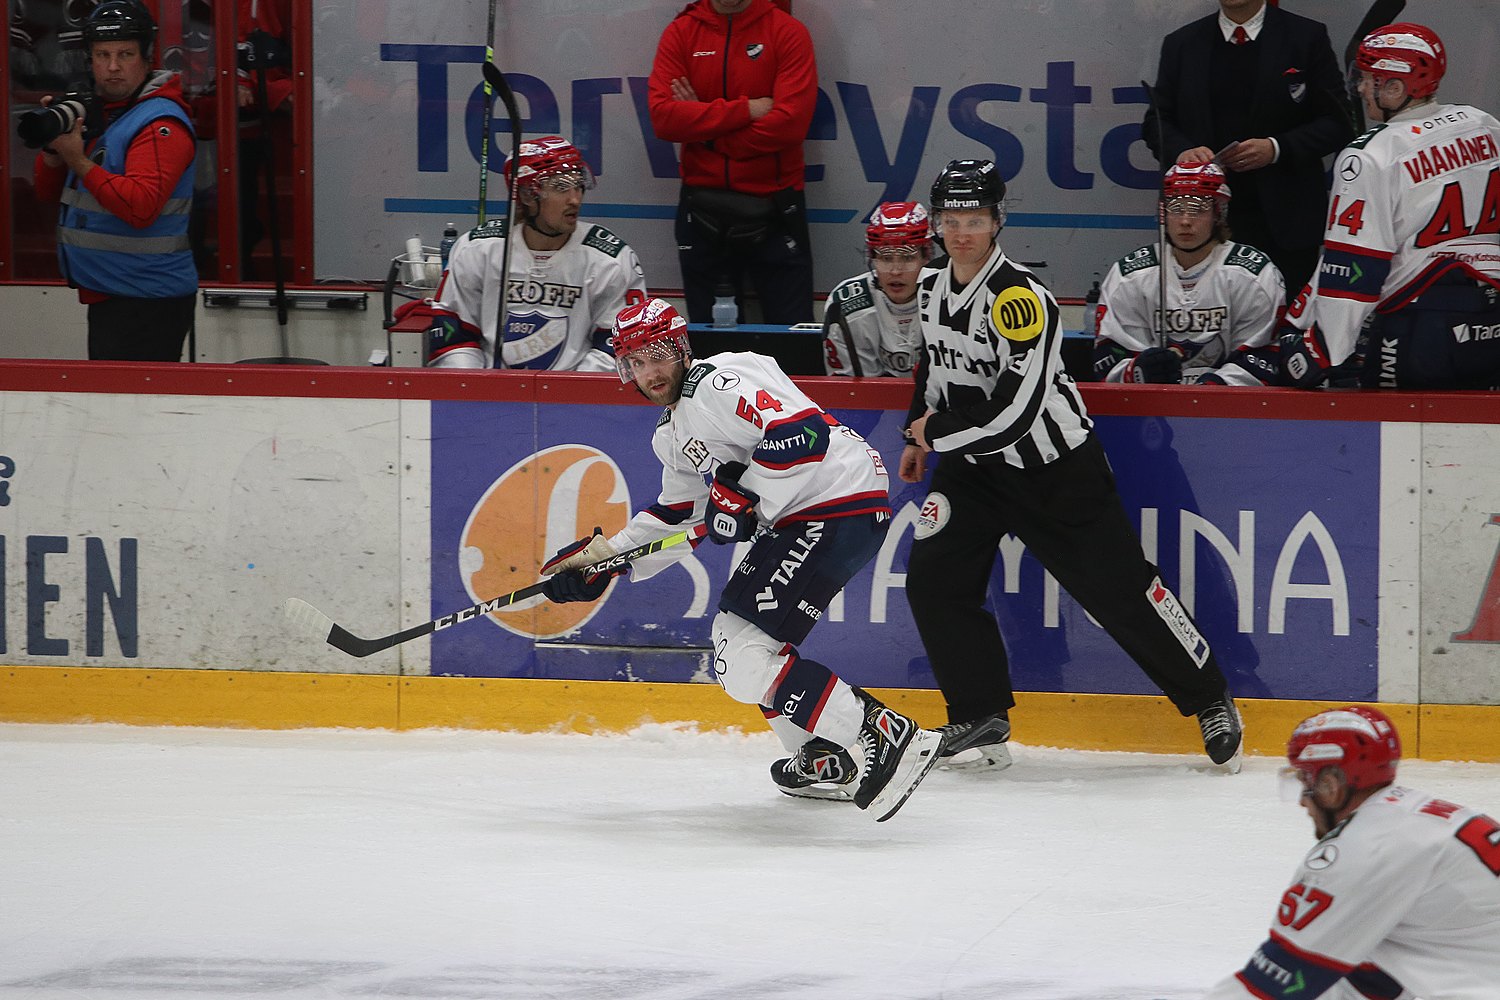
[[1178, 621]]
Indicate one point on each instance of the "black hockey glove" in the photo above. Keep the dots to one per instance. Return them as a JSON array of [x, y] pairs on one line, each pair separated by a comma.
[[1303, 363], [731, 507], [1158, 366], [571, 585], [566, 581]]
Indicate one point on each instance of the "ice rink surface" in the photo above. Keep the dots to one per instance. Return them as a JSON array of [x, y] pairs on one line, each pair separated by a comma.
[[658, 865]]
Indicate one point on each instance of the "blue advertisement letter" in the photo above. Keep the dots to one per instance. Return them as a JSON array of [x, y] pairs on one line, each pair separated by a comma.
[[1114, 150], [99, 587], [40, 593], [1060, 96], [900, 171], [963, 114]]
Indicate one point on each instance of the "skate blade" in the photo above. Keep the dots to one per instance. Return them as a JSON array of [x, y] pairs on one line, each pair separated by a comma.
[[916, 761], [822, 793], [978, 760]]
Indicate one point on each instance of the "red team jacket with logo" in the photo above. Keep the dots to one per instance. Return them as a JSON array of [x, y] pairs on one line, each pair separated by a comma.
[[760, 52]]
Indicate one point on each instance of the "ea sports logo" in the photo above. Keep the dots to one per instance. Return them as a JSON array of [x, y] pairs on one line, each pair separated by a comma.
[[932, 517], [530, 511]]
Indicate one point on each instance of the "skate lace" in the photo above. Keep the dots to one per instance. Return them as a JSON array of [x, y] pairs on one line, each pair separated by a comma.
[[1215, 721]]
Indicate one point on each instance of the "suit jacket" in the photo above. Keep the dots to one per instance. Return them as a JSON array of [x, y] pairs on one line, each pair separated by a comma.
[[1296, 97]]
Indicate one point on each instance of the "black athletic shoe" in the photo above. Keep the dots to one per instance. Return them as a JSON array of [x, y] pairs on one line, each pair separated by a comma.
[[897, 756], [985, 737], [820, 769], [1223, 733]]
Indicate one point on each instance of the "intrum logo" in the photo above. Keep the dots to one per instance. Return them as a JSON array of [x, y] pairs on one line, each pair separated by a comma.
[[531, 510]]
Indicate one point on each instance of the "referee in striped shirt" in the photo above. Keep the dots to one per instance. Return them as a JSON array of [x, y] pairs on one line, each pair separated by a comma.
[[1020, 457]]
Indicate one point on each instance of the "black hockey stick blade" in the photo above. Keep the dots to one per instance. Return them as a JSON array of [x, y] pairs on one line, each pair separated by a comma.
[[314, 623]]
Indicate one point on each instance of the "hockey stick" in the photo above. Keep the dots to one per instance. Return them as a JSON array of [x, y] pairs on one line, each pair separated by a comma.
[[1161, 222], [316, 624], [1381, 13], [495, 79], [489, 111]]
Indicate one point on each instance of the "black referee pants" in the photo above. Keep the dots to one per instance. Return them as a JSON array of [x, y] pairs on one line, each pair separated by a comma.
[[1070, 517]]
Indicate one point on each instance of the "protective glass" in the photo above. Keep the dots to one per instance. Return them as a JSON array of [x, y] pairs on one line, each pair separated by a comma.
[[1291, 784], [966, 221], [1189, 206], [657, 351], [897, 258], [563, 183]]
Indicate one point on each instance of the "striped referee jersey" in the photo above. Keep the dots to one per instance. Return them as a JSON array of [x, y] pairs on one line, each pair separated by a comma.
[[992, 368]]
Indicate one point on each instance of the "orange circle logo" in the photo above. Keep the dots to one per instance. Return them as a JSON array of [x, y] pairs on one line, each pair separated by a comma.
[[534, 508]]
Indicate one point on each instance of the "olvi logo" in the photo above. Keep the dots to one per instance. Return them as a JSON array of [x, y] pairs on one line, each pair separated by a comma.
[[533, 509]]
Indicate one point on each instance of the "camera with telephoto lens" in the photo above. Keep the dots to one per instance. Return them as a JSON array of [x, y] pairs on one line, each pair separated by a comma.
[[39, 127]]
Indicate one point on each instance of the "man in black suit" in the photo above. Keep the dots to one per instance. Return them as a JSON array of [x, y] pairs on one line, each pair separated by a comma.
[[1258, 89]]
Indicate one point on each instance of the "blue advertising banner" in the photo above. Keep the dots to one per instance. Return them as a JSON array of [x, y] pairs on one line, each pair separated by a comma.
[[1267, 530]]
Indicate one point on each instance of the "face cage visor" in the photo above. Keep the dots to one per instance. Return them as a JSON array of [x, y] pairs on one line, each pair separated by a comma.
[[997, 213], [670, 348]]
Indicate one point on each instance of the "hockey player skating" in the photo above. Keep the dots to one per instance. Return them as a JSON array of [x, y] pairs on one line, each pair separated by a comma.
[[870, 325], [1223, 298], [812, 498], [567, 280], [1019, 457], [1401, 894], [1407, 291]]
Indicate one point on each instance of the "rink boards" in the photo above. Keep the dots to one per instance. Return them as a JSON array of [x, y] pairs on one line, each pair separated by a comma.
[[1332, 547]]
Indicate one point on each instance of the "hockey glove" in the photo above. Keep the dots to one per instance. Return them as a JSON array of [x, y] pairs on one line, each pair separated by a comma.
[[584, 552], [1156, 365], [566, 581], [1304, 365], [571, 585], [731, 507]]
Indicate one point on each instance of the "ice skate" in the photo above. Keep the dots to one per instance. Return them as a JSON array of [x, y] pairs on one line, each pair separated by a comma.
[[1223, 733], [897, 756], [976, 746], [820, 769]]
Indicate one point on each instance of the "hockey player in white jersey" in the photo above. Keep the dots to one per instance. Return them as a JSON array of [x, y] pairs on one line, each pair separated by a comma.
[[870, 324], [1401, 894], [1407, 290], [1223, 298], [746, 454], [567, 279]]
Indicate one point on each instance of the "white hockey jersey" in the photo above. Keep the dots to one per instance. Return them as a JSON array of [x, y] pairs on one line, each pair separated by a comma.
[[1409, 884], [1412, 198], [1226, 305], [886, 337], [559, 300], [804, 464]]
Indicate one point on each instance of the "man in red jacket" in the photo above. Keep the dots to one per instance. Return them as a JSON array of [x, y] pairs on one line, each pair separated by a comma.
[[735, 82]]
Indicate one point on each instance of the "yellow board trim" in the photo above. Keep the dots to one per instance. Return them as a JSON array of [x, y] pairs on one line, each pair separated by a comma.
[[260, 700]]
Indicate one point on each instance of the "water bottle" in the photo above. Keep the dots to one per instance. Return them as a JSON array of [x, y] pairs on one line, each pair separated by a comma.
[[726, 313], [1091, 308], [450, 237]]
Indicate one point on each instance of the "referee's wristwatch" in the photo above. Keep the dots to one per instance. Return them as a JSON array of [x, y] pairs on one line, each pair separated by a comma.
[[907, 434]]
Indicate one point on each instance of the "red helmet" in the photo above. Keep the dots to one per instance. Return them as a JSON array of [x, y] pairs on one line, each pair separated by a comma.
[[653, 329], [546, 157], [899, 225], [1362, 742], [1196, 180], [1408, 52]]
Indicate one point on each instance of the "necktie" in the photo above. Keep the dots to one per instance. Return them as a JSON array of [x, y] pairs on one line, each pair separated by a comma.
[[1239, 37]]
